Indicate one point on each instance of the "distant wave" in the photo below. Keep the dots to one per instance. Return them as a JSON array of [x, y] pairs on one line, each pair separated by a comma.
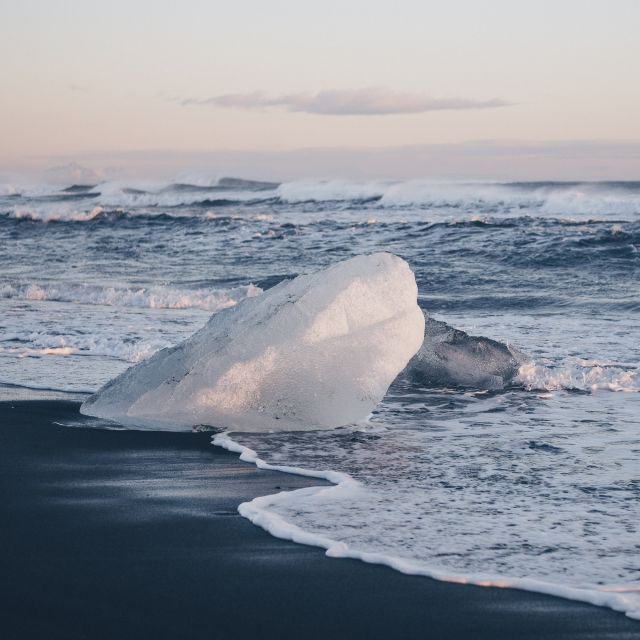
[[142, 297], [515, 198], [54, 214], [557, 198], [182, 195]]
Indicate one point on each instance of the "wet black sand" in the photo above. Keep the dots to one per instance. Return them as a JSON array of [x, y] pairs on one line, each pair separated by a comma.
[[122, 534]]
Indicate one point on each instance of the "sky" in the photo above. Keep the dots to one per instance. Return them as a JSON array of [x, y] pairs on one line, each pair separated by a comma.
[[522, 89]]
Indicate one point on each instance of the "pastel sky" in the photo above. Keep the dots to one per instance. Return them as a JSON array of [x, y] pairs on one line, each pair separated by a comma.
[[107, 81]]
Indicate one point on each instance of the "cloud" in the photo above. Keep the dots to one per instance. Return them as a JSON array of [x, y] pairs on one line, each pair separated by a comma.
[[346, 102], [78, 88]]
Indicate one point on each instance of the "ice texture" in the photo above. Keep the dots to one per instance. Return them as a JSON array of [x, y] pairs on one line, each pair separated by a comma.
[[451, 357], [315, 352]]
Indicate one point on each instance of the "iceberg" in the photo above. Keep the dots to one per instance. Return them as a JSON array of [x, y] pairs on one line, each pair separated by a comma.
[[315, 352], [451, 357]]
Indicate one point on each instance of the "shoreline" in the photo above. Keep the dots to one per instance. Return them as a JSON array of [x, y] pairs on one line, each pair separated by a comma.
[[257, 511], [137, 534]]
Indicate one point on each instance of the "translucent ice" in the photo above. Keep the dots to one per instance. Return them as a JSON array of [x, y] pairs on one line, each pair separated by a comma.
[[315, 352], [450, 357]]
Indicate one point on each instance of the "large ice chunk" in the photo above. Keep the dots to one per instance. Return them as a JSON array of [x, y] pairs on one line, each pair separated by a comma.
[[315, 352]]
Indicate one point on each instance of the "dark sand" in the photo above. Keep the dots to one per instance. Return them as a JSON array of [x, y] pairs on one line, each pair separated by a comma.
[[121, 534]]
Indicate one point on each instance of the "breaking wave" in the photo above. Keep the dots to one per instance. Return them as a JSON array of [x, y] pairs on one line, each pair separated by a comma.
[[579, 375], [153, 297], [589, 199], [34, 344], [554, 198]]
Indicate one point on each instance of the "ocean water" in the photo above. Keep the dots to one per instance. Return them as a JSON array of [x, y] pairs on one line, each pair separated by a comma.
[[535, 486]]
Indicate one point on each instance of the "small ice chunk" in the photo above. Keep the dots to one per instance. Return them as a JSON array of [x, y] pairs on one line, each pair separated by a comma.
[[451, 357], [316, 352]]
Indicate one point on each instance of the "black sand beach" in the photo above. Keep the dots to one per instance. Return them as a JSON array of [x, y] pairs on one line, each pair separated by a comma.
[[122, 534]]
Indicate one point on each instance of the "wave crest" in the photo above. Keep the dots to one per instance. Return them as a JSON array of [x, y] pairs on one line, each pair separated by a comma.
[[154, 297]]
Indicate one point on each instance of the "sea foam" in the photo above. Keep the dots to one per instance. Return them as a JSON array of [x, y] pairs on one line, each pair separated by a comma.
[[452, 513]]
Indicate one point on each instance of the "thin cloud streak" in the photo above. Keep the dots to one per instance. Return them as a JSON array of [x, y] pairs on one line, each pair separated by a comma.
[[346, 102], [78, 88], [504, 160]]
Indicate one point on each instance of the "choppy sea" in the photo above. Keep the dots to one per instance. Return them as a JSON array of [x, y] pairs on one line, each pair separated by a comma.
[[535, 486]]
